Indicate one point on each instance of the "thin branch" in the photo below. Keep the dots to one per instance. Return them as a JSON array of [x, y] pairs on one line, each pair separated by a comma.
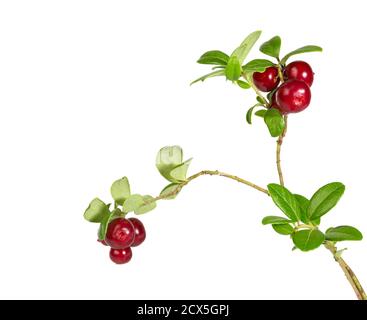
[[211, 173], [279, 146], [352, 278]]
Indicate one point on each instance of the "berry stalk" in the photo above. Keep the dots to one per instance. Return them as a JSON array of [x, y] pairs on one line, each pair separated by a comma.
[[279, 149]]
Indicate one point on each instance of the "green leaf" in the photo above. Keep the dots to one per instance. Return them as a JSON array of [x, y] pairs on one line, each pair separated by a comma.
[[257, 65], [260, 100], [170, 165], [275, 220], [178, 173], [148, 205], [261, 113], [307, 240], [303, 203], [167, 159], [233, 70], [325, 199], [283, 229], [300, 50], [216, 73], [96, 211], [272, 47], [139, 204], [275, 122], [243, 84], [133, 202], [120, 190], [245, 47], [285, 201], [249, 112], [343, 233], [167, 190], [106, 221], [215, 57]]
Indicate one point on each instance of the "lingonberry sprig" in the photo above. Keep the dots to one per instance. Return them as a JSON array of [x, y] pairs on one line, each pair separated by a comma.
[[281, 89]]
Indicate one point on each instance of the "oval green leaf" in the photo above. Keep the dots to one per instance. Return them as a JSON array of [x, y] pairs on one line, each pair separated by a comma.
[[243, 84], [96, 211], [149, 204], [257, 65], [245, 47], [274, 121], [283, 229], [133, 202], [274, 220], [304, 49], [261, 113], [120, 190], [272, 47], [325, 199], [343, 233], [285, 201], [170, 192], [139, 204], [303, 203], [250, 111], [167, 159], [307, 240], [214, 57], [178, 173], [261, 100], [233, 70]]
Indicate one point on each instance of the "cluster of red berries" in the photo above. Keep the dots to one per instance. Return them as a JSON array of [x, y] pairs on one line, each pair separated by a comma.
[[294, 95], [122, 234]]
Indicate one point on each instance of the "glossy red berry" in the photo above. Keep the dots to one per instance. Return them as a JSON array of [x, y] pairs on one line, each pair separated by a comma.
[[299, 70], [293, 96], [139, 232], [266, 81], [121, 256], [120, 233]]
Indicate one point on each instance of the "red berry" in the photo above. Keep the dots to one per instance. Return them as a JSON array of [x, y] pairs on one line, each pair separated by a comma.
[[139, 232], [266, 81], [293, 96], [121, 256], [120, 233], [299, 70], [103, 242]]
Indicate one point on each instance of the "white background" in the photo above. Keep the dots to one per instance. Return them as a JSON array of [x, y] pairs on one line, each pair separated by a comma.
[[90, 90]]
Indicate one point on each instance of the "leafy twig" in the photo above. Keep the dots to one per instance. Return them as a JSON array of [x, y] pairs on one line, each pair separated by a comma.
[[211, 173]]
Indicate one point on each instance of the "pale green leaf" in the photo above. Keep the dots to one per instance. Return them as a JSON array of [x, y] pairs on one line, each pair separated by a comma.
[[245, 47], [96, 211], [120, 190]]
